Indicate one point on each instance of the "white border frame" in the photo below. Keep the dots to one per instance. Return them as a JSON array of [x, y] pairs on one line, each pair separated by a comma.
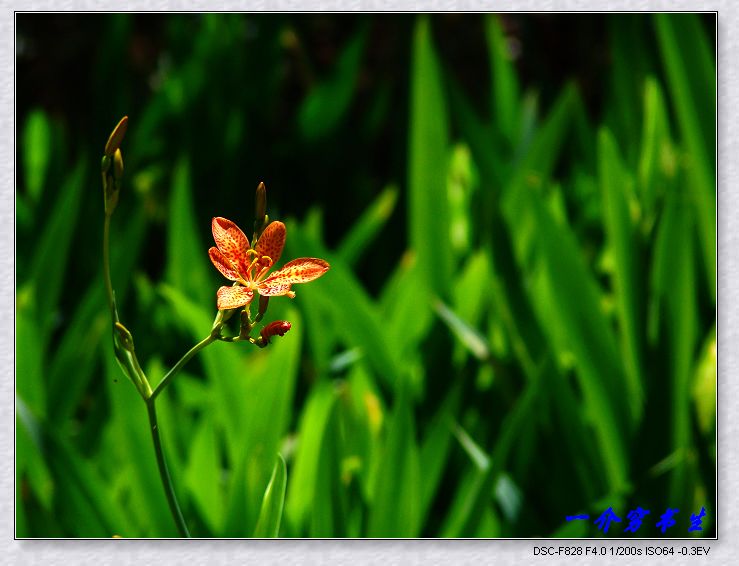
[[383, 552]]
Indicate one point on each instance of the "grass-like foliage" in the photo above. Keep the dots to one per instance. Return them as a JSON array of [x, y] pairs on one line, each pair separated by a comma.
[[519, 320]]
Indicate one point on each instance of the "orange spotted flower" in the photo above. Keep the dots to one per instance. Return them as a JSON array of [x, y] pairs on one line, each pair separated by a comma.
[[249, 267]]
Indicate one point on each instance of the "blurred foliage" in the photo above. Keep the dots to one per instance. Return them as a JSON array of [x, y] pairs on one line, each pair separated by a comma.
[[519, 322]]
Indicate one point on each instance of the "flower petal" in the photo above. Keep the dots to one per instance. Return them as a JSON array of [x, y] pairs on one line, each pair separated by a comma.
[[300, 270], [231, 241], [234, 297], [222, 264], [274, 288], [272, 241]]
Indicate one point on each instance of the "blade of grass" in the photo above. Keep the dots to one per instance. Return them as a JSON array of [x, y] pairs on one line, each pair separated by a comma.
[[71, 368], [690, 74], [674, 282], [505, 90], [657, 159], [135, 455], [353, 311], [203, 474], [366, 228], [475, 494], [52, 251], [36, 152], [186, 269], [30, 383], [466, 334], [395, 509], [434, 451], [84, 505], [427, 155], [328, 101], [311, 431], [622, 239], [566, 296], [270, 516]]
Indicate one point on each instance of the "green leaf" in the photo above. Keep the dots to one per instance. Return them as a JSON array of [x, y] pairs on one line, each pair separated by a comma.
[[52, 251], [674, 287], [366, 228], [71, 368], [30, 383], [434, 452], [396, 508], [270, 516], [221, 362], [427, 157], [187, 259], [657, 160], [505, 90], [36, 152], [328, 101], [704, 386], [203, 475], [252, 399], [134, 454], [467, 335], [352, 309], [622, 239], [311, 431], [406, 306], [566, 296], [30, 461], [270, 380], [328, 504], [691, 76], [82, 500]]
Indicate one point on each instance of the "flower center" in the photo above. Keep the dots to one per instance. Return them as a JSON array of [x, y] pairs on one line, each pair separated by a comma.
[[259, 265]]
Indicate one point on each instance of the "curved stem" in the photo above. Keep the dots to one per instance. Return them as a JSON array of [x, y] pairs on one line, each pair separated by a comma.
[[174, 507], [106, 268], [179, 365]]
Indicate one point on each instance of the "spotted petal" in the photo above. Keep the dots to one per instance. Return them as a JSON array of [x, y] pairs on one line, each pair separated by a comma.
[[300, 270], [234, 297], [231, 241], [272, 241], [223, 265]]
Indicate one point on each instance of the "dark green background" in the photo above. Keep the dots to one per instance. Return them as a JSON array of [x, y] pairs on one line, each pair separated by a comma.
[[519, 322]]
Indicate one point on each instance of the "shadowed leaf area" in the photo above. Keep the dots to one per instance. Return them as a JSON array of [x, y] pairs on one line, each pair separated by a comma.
[[519, 320]]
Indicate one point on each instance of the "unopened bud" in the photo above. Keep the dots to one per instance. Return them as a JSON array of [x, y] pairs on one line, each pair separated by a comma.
[[118, 164], [260, 207], [124, 336], [263, 304], [278, 327], [115, 139]]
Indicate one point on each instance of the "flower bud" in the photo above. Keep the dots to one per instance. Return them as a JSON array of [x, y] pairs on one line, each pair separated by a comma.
[[263, 304], [116, 137], [278, 327], [260, 207], [117, 164], [124, 336]]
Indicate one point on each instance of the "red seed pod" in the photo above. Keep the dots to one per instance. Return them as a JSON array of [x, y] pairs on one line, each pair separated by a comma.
[[278, 327]]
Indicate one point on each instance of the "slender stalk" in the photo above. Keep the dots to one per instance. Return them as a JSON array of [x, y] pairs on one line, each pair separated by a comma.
[[106, 268], [164, 471], [179, 365]]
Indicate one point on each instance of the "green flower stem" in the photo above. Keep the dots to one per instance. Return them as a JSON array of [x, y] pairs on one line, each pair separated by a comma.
[[179, 365], [106, 269], [164, 471]]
